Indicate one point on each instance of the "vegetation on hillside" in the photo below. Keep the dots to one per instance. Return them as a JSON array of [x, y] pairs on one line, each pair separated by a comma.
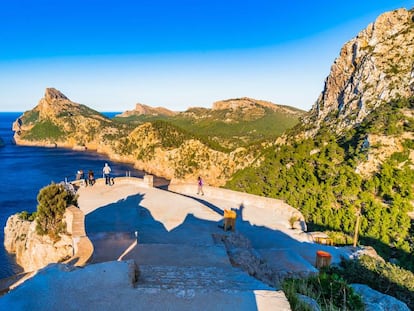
[[43, 130], [166, 136], [332, 291], [384, 277], [318, 177], [225, 128]]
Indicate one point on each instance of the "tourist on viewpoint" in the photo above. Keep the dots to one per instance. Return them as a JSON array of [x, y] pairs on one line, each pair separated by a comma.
[[91, 178], [80, 175], [200, 186], [107, 174]]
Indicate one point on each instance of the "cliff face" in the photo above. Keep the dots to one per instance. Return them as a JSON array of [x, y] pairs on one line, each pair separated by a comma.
[[32, 250], [57, 121], [375, 67]]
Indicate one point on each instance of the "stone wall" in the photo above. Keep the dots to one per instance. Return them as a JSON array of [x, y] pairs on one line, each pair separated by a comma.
[[284, 210]]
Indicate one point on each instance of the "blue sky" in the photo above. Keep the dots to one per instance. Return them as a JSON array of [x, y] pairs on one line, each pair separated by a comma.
[[110, 55]]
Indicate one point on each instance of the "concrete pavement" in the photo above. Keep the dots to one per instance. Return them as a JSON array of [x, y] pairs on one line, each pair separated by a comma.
[[177, 263]]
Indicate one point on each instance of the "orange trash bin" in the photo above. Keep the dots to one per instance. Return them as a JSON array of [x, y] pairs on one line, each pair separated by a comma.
[[323, 259], [229, 220]]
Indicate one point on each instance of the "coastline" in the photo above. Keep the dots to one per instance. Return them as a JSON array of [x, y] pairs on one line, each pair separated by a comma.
[[27, 169]]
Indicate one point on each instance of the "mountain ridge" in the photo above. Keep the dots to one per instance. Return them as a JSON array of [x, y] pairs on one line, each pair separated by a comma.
[[154, 143]]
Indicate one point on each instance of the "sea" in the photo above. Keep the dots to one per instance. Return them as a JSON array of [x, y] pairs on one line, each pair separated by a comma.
[[25, 170]]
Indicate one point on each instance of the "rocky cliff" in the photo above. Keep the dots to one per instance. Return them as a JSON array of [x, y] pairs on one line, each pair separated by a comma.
[[58, 122], [369, 91], [34, 251], [375, 67]]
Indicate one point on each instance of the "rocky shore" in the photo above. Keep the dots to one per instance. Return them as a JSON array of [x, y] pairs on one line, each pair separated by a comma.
[[32, 250]]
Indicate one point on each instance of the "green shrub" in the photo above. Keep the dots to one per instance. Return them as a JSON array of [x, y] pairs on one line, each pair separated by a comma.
[[329, 289], [340, 238], [292, 220], [53, 201], [27, 216], [290, 290]]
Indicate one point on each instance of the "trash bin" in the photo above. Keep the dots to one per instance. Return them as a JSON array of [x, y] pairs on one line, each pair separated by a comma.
[[229, 220], [323, 259]]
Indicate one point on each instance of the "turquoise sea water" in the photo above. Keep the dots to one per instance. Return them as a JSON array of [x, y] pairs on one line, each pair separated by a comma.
[[25, 170]]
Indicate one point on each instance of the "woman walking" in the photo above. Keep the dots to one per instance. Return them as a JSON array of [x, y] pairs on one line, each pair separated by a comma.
[[200, 186]]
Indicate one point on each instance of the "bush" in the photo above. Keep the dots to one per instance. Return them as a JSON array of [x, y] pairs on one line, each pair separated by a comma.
[[292, 220], [53, 201], [340, 238], [329, 289], [27, 216]]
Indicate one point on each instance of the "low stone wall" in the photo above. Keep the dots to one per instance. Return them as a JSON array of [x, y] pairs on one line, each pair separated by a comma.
[[147, 181], [82, 246], [241, 198]]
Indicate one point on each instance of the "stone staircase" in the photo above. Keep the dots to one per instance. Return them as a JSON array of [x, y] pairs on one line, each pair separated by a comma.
[[205, 288], [198, 277]]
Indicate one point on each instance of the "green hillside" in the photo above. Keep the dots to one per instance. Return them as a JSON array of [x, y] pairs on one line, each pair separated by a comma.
[[318, 176], [230, 129]]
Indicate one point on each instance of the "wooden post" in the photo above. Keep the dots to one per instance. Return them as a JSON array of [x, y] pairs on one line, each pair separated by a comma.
[[358, 215]]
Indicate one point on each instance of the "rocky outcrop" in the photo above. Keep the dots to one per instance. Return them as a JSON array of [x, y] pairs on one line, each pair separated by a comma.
[[249, 104], [384, 147], [141, 109], [58, 122], [32, 250], [376, 301], [372, 69]]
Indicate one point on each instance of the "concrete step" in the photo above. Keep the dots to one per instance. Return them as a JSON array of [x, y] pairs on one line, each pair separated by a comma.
[[206, 300], [287, 262], [214, 255], [202, 278]]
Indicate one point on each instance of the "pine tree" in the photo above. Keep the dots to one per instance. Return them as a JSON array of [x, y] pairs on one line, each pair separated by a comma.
[[53, 201]]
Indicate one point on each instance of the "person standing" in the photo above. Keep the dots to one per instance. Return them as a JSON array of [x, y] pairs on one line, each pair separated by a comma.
[[107, 174], [200, 186], [91, 178]]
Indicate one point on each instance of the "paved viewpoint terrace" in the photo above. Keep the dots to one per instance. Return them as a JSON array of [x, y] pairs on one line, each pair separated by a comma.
[[163, 250]]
